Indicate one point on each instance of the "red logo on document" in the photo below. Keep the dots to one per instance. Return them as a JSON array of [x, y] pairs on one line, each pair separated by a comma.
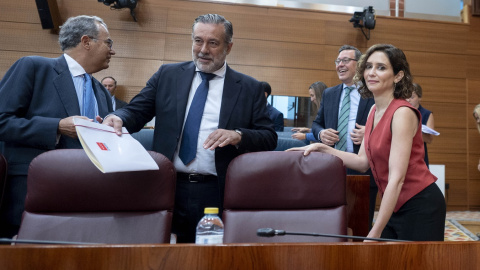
[[102, 146]]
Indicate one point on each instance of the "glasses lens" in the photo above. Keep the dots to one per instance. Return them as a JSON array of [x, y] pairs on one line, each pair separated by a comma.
[[109, 43]]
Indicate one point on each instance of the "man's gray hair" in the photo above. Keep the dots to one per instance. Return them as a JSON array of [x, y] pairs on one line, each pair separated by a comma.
[[216, 19], [74, 28]]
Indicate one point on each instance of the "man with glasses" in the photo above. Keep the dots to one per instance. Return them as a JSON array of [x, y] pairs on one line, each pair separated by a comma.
[[38, 99], [341, 119]]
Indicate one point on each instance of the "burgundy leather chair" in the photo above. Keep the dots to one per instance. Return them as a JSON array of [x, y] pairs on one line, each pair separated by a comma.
[[285, 191], [69, 199]]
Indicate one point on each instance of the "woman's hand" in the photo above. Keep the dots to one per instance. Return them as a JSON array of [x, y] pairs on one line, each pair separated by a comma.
[[314, 147]]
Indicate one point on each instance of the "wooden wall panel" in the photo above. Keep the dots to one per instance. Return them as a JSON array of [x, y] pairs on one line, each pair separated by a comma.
[[457, 194], [288, 82], [447, 115], [436, 64], [473, 70], [473, 91], [27, 38], [8, 58], [138, 70], [442, 90], [455, 164]]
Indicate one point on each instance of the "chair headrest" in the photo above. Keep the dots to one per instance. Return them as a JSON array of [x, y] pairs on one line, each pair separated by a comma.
[[79, 186], [285, 180]]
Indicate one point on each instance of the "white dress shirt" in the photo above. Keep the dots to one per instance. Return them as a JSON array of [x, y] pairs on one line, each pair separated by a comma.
[[77, 72], [204, 163]]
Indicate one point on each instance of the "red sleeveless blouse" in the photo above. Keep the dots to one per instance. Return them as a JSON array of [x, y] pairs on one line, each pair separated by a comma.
[[377, 147]]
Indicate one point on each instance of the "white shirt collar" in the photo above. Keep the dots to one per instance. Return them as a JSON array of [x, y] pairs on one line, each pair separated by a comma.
[[75, 68], [220, 72]]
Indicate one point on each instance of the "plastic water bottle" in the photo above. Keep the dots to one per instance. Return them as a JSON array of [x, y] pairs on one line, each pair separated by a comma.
[[210, 228]]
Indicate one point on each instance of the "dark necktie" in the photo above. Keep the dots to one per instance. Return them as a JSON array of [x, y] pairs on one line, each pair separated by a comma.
[[188, 147], [342, 127], [88, 98]]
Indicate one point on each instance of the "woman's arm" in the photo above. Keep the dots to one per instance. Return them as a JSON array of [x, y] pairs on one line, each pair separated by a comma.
[[404, 127], [428, 138], [358, 162]]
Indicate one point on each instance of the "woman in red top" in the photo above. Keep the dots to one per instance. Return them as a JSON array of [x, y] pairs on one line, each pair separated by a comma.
[[413, 207]]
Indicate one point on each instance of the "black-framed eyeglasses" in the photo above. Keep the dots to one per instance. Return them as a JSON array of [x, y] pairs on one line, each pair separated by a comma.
[[107, 41], [344, 61]]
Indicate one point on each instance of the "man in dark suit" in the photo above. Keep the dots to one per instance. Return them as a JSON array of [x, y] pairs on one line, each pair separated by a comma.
[[275, 115], [111, 85], [39, 97], [325, 125], [234, 120]]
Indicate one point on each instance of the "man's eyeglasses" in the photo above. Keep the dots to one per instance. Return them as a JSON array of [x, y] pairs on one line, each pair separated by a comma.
[[344, 61], [107, 41]]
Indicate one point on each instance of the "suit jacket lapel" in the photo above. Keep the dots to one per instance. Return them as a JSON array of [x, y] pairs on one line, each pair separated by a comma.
[[65, 88], [362, 107], [337, 96], [101, 98], [184, 83], [231, 91]]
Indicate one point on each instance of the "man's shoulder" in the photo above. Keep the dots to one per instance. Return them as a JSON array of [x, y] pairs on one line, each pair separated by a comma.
[[238, 75], [332, 89], [35, 59]]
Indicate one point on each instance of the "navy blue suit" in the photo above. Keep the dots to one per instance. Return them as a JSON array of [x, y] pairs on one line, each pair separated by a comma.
[[327, 117], [166, 97], [276, 116], [35, 94]]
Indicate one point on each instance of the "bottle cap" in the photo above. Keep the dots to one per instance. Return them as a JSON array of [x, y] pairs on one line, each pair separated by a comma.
[[211, 210]]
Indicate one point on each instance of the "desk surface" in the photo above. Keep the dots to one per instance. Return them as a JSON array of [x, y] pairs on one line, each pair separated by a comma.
[[412, 255]]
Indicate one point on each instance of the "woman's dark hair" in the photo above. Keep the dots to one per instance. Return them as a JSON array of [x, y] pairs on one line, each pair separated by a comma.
[[398, 61]]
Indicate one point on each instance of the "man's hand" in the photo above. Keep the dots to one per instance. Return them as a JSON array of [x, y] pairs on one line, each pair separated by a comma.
[[329, 136], [301, 129], [221, 138], [67, 127], [115, 122], [299, 136], [357, 134]]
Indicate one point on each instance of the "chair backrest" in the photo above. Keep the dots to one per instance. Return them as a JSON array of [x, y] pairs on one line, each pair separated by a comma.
[[145, 137], [286, 191], [69, 199], [3, 176]]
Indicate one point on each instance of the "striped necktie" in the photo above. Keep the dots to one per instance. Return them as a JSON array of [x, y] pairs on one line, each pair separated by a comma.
[[342, 127]]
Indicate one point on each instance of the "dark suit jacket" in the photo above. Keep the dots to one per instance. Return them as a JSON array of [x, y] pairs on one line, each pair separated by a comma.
[[119, 104], [166, 96], [327, 116], [35, 93], [276, 116]]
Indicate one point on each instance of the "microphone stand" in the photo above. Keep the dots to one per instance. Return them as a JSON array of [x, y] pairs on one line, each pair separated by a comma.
[[269, 232], [42, 242]]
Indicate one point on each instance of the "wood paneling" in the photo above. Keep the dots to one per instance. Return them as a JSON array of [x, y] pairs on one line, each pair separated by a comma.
[[302, 256]]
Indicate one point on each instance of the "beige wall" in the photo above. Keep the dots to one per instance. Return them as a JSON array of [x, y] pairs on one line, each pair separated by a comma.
[[290, 49]]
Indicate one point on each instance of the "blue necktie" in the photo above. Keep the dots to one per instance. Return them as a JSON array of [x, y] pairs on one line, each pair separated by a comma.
[[342, 126], [88, 98], [188, 147]]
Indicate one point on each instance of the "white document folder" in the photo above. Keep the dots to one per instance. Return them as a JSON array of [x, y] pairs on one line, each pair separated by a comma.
[[110, 152]]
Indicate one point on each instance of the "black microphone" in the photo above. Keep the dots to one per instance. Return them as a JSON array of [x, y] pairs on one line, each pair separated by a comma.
[[43, 242], [269, 232]]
